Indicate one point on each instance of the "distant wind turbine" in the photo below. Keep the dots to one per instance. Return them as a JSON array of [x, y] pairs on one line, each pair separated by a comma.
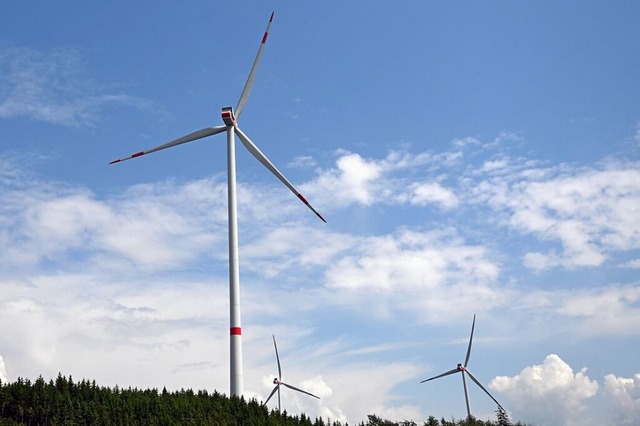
[[230, 119], [462, 368], [278, 381]]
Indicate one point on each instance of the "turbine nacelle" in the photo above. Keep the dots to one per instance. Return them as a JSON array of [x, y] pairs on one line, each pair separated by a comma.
[[461, 367], [228, 117]]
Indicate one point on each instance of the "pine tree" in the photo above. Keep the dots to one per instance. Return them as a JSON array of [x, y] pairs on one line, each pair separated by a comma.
[[503, 418]]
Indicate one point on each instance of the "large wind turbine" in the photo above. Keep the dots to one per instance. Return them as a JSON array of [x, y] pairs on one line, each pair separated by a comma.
[[230, 119], [278, 380], [462, 368]]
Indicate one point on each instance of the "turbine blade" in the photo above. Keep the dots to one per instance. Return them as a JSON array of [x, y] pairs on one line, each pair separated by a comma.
[[270, 395], [299, 390], [466, 360], [209, 131], [277, 357], [448, 373], [483, 388], [252, 74], [253, 149]]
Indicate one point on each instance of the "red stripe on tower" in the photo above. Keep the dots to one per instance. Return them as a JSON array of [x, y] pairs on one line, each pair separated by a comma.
[[236, 331]]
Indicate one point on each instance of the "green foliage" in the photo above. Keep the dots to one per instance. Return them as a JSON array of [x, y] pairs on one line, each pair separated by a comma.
[[65, 402]]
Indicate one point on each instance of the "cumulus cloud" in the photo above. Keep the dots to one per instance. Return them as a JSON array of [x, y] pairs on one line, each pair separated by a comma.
[[362, 181], [624, 394], [548, 394], [354, 180], [53, 86]]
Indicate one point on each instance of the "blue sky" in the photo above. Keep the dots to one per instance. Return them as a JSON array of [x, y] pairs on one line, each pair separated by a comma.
[[470, 157]]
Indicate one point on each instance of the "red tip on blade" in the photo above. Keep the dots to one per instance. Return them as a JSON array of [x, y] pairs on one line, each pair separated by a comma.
[[321, 218], [137, 154], [236, 331], [115, 161], [304, 200], [266, 33]]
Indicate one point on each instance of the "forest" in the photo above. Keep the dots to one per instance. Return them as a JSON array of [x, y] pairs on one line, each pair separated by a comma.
[[65, 402]]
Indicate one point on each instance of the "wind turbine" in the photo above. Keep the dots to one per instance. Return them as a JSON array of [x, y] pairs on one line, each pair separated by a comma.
[[230, 119], [462, 368], [278, 380]]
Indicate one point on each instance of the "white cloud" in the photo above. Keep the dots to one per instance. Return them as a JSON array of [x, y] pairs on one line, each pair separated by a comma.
[[342, 382], [397, 270], [119, 278], [432, 192], [376, 397], [493, 165], [548, 394], [590, 212], [414, 259], [634, 264], [53, 86], [116, 330], [152, 226], [610, 310], [356, 180], [580, 216], [605, 311], [283, 248], [302, 161], [465, 142], [624, 393]]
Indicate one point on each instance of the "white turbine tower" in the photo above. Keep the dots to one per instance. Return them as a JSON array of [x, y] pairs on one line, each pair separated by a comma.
[[278, 380], [462, 368], [230, 119]]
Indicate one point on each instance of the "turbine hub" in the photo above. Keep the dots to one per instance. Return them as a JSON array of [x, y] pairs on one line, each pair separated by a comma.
[[461, 367], [276, 381], [228, 117]]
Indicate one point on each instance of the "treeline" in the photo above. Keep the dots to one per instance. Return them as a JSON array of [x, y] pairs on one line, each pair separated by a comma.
[[65, 402]]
